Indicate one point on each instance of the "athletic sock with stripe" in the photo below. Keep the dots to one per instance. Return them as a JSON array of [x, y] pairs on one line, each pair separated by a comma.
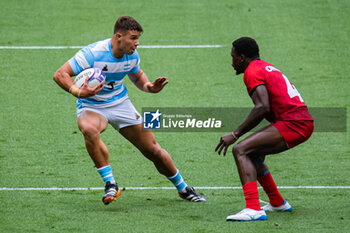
[[106, 173], [178, 181]]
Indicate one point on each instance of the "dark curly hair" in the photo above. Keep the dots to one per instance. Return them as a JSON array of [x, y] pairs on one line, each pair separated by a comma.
[[127, 23], [246, 46]]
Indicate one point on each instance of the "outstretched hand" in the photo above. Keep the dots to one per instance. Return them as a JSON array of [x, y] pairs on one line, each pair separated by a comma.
[[157, 85], [225, 142]]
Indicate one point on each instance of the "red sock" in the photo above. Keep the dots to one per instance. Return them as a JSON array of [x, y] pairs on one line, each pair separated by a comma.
[[251, 195], [270, 188]]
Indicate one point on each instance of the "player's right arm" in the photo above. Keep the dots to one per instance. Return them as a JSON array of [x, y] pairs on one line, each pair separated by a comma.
[[260, 98], [63, 77]]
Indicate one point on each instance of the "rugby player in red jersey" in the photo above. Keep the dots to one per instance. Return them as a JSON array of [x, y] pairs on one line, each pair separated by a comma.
[[277, 100]]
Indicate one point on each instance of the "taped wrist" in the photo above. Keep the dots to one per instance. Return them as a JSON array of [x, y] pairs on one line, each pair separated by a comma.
[[74, 90], [145, 86]]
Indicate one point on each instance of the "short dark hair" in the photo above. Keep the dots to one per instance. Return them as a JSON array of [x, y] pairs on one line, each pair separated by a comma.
[[127, 23], [246, 46]]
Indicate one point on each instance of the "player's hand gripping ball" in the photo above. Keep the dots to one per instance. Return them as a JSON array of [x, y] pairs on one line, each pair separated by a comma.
[[96, 76]]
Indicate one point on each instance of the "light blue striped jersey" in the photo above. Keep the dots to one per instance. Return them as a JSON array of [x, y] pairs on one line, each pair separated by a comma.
[[99, 54]]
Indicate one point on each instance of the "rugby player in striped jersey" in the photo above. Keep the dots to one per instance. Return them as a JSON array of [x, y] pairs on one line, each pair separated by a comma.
[[108, 103]]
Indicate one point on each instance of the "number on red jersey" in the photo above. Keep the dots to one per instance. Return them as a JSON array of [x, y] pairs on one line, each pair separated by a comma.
[[292, 91]]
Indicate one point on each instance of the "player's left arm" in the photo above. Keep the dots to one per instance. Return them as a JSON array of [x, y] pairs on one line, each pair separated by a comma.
[[260, 98], [142, 82]]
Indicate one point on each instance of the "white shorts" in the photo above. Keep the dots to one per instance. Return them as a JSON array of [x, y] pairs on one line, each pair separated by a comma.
[[119, 116]]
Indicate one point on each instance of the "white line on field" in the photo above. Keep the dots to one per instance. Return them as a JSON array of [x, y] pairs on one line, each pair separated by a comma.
[[159, 188], [141, 46]]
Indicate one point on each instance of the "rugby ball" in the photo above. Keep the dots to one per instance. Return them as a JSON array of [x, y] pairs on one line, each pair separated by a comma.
[[96, 76]]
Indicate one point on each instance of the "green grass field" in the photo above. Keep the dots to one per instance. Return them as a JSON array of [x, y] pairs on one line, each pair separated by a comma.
[[41, 146]]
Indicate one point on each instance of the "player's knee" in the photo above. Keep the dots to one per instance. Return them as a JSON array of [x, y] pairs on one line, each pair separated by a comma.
[[238, 150], [152, 150], [89, 131], [157, 151], [239, 154]]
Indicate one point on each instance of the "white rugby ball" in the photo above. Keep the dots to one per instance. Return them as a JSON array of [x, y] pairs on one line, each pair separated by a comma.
[[96, 76]]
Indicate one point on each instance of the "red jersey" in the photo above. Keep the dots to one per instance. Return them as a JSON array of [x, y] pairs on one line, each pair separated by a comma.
[[285, 100]]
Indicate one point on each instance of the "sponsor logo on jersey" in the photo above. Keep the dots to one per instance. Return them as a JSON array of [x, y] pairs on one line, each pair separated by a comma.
[[105, 68]]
